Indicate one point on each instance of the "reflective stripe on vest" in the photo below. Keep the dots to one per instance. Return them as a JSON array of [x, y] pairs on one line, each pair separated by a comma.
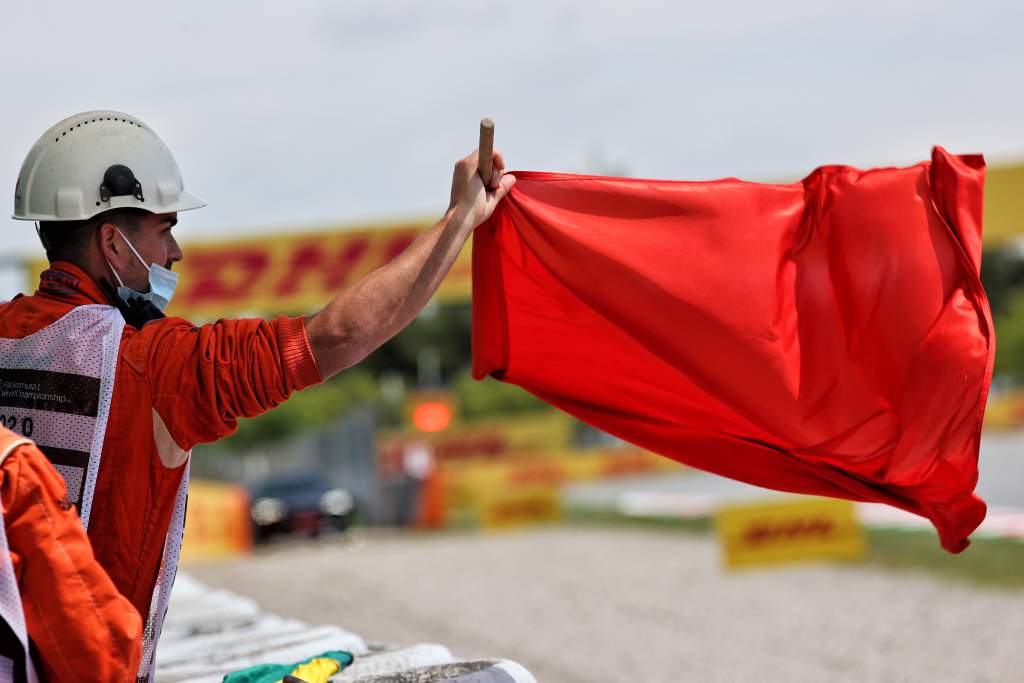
[[56, 386]]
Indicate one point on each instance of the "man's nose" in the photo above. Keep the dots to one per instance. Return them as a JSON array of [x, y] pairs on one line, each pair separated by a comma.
[[174, 255]]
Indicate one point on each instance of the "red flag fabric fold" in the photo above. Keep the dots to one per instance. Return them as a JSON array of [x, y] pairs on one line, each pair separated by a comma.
[[829, 336]]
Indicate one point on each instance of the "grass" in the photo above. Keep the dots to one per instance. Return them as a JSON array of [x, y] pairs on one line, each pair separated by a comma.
[[993, 562], [988, 561]]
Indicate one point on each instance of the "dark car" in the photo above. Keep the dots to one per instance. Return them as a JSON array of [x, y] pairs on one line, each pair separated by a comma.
[[299, 503]]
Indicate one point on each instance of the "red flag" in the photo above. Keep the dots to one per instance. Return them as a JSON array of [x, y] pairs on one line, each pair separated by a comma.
[[829, 336]]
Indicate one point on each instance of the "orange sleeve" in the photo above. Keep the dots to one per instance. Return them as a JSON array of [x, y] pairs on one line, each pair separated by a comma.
[[83, 628], [202, 379]]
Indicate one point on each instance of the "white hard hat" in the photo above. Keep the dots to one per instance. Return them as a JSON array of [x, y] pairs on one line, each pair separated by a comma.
[[96, 161]]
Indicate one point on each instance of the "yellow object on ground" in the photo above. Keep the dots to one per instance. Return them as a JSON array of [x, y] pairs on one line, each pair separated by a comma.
[[317, 670], [790, 530]]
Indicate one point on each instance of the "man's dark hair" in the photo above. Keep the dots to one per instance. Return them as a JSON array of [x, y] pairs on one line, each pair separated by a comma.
[[66, 240]]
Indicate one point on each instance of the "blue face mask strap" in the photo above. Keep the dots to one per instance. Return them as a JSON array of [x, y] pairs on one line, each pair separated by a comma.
[[132, 247], [114, 271]]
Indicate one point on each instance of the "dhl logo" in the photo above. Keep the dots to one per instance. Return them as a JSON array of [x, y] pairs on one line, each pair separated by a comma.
[[530, 508], [787, 531], [515, 508], [541, 473]]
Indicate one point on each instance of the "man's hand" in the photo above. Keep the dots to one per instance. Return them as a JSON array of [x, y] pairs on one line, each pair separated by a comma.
[[381, 303], [472, 203]]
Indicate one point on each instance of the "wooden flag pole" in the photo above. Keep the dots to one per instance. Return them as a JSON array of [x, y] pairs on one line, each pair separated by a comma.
[[486, 150]]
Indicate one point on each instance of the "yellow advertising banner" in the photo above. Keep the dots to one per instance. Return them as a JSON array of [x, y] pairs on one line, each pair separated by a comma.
[[217, 523], [1005, 410], [492, 440], [790, 530], [519, 507], [521, 487], [291, 273], [1004, 211]]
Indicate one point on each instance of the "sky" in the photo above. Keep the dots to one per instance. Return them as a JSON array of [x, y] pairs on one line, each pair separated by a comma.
[[287, 115]]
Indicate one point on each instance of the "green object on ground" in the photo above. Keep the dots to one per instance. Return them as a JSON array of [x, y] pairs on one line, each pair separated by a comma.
[[271, 673]]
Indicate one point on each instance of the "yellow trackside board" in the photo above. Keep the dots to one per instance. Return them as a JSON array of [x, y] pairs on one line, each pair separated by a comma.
[[793, 529], [218, 523], [512, 508]]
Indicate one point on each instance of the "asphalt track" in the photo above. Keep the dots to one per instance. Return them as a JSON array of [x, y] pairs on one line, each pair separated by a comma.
[[594, 605]]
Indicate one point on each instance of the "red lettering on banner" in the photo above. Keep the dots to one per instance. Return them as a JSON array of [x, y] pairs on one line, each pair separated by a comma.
[[396, 246], [543, 473], [540, 508], [815, 528], [209, 275], [486, 445], [629, 462], [312, 260]]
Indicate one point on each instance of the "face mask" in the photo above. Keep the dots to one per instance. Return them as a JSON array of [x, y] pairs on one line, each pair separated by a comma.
[[161, 281]]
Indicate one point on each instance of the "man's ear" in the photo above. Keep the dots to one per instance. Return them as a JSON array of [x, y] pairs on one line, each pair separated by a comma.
[[110, 248]]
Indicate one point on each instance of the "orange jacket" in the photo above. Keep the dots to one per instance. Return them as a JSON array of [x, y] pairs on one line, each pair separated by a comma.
[[83, 629], [176, 385]]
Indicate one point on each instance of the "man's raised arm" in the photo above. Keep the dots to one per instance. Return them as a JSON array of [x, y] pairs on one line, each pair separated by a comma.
[[383, 302]]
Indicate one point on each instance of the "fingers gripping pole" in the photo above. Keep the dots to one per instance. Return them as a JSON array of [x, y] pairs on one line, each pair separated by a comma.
[[486, 150]]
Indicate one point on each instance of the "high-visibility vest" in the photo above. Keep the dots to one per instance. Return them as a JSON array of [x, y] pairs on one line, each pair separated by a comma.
[[56, 386]]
